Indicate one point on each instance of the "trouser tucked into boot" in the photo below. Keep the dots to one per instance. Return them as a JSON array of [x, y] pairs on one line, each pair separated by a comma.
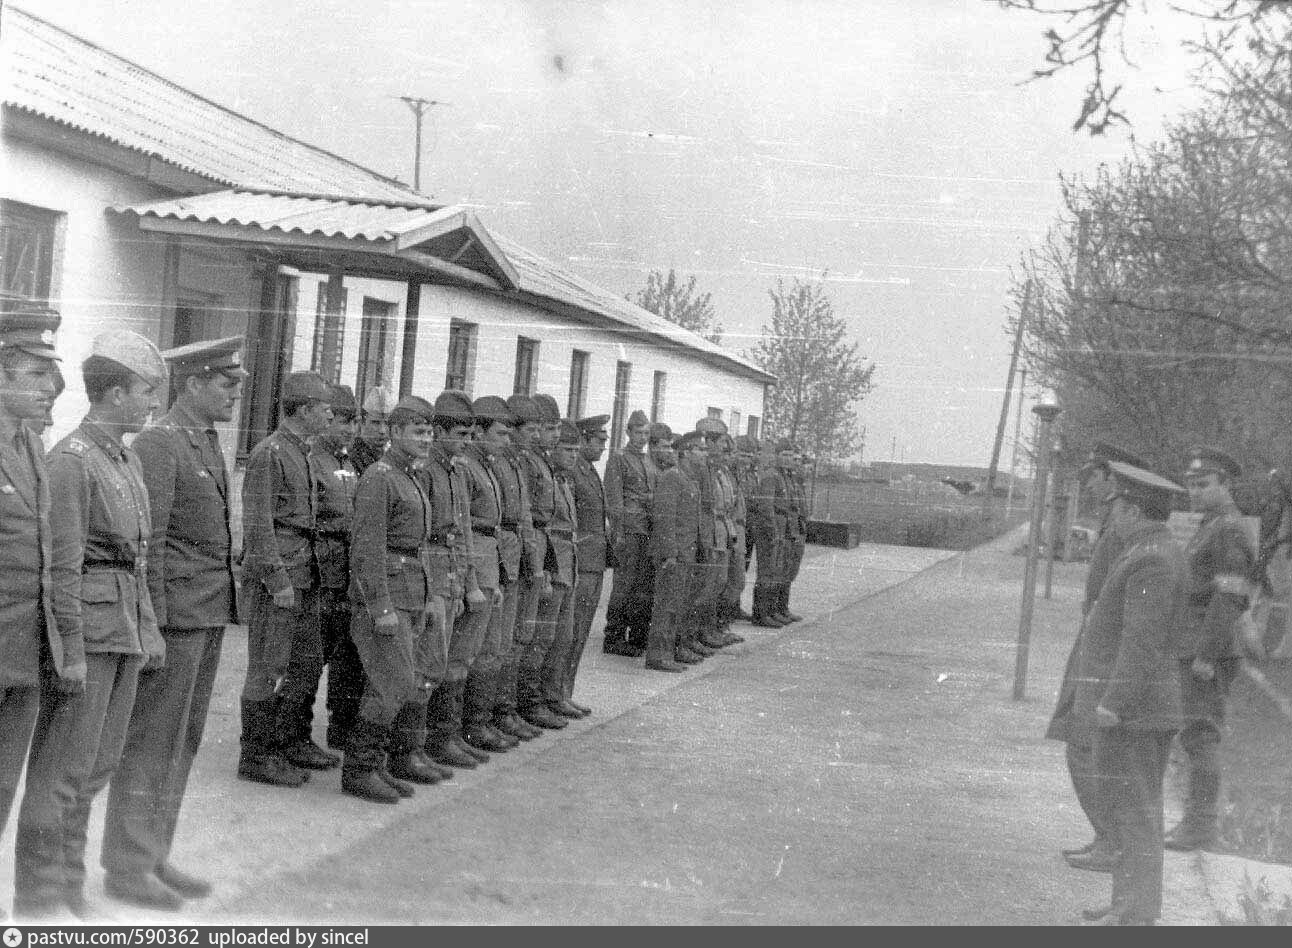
[[365, 756]]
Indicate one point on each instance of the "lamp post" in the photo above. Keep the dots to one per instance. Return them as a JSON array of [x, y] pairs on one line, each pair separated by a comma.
[[1045, 413]]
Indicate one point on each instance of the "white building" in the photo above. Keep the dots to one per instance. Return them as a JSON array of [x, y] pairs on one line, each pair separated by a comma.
[[128, 201]]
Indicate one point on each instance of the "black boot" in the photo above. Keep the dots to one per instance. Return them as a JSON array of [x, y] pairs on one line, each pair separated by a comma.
[[260, 759], [763, 617], [785, 604], [459, 703], [365, 758], [442, 728], [477, 712], [408, 734]]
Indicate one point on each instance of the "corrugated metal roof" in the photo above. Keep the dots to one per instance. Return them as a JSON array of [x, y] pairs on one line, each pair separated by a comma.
[[281, 183], [50, 73], [326, 217]]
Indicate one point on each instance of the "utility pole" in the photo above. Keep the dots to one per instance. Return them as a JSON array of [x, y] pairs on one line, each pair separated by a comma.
[[419, 107], [1045, 412], [1013, 455], [990, 487]]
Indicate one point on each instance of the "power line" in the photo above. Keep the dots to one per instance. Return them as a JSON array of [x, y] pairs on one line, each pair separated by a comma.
[[419, 107]]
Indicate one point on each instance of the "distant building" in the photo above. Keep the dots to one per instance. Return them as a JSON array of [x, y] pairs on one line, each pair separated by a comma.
[[128, 201]]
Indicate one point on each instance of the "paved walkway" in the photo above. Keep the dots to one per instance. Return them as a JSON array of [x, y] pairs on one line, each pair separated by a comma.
[[864, 766]]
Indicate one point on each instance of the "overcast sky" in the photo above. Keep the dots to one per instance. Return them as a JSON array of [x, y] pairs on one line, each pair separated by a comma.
[[887, 142]]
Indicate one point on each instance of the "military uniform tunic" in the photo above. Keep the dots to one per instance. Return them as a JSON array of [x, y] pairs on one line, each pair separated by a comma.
[[191, 588], [629, 481], [594, 555], [677, 530], [543, 665], [452, 557], [102, 528], [519, 560]]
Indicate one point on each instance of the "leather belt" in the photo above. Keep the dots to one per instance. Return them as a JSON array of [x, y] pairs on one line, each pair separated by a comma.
[[485, 531]]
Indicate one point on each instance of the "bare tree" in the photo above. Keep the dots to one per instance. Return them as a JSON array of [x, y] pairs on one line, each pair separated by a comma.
[[821, 374]]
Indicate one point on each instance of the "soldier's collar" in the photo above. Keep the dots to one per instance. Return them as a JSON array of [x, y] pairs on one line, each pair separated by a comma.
[[102, 438], [400, 459]]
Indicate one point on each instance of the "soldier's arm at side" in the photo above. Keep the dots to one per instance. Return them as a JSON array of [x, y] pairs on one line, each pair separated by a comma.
[[368, 543], [69, 491], [614, 491], [1148, 618], [664, 512], [261, 558], [159, 466], [1233, 560]]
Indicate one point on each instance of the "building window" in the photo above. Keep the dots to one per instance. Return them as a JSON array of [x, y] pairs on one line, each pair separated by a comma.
[[619, 413], [657, 395], [526, 363], [578, 384], [28, 242], [329, 336], [462, 356], [734, 426], [376, 346], [751, 426], [715, 413]]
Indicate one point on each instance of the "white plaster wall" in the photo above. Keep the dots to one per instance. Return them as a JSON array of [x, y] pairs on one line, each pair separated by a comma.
[[111, 271]]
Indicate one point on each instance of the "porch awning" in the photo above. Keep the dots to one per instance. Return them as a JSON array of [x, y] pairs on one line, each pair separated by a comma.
[[319, 232]]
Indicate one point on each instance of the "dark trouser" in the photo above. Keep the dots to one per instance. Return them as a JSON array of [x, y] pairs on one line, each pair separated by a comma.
[[672, 603], [1091, 789], [76, 748], [583, 608], [163, 737], [709, 579], [445, 713], [794, 548], [1204, 722], [488, 671], [769, 565], [344, 670], [1133, 764], [284, 662], [631, 591], [527, 600], [734, 587], [18, 708], [548, 634]]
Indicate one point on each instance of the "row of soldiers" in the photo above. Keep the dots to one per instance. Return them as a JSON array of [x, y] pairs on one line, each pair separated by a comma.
[[1153, 662], [442, 560]]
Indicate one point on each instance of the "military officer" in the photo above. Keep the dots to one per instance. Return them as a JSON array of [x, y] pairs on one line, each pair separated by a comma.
[[594, 554], [1221, 559], [491, 683], [373, 431], [674, 544], [536, 622], [398, 621], [738, 459], [32, 646], [628, 489], [543, 670], [453, 575], [101, 530], [484, 496], [727, 507], [1129, 686], [765, 519], [335, 483], [1078, 735], [281, 584], [192, 591]]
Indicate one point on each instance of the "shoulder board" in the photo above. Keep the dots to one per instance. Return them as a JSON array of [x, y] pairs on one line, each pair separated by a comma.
[[381, 466], [75, 445]]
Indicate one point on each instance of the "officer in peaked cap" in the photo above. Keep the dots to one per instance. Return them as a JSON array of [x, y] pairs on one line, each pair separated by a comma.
[[191, 586], [1220, 560], [223, 356], [29, 327], [100, 595], [281, 585], [593, 425], [628, 484], [1132, 635], [1104, 452]]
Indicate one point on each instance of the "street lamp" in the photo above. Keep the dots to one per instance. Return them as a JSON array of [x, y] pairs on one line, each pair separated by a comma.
[[1046, 411]]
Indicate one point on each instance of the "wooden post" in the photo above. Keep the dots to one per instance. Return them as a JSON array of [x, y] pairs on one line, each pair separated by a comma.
[[408, 357], [1046, 415]]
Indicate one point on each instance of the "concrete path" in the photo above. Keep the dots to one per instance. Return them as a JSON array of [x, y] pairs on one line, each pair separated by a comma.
[[865, 766]]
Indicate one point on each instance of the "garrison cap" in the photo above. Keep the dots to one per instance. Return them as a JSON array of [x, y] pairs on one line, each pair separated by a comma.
[[378, 403], [1204, 459], [523, 407], [490, 408], [306, 387], [414, 405], [211, 355], [131, 351], [570, 433], [453, 406], [638, 419], [660, 433], [711, 426], [593, 425], [1103, 452], [1143, 487], [690, 438], [343, 400], [29, 327], [548, 410]]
